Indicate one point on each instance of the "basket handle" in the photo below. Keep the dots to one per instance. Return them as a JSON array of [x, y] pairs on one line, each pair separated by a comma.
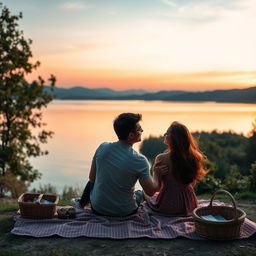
[[39, 198], [222, 191], [20, 197]]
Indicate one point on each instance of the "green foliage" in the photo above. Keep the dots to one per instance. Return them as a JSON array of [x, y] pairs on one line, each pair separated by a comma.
[[11, 184], [223, 150], [235, 182], [152, 146], [21, 125], [251, 146], [46, 189], [7, 207], [67, 193], [71, 192], [252, 178], [245, 195], [5, 224], [208, 184]]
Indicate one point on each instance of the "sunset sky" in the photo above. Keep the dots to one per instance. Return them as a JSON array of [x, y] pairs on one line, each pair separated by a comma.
[[143, 44]]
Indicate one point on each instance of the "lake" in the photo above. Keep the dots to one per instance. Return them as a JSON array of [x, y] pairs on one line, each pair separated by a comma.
[[81, 125]]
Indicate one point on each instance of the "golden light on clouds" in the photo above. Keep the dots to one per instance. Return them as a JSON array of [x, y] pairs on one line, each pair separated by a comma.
[[195, 45]]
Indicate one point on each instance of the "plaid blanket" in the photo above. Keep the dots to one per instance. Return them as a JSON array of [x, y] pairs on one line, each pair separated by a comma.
[[145, 223]]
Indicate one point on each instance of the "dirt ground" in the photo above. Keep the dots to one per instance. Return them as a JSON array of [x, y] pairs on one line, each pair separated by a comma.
[[14, 245]]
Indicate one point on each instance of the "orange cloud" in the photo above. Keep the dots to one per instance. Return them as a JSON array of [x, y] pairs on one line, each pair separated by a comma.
[[128, 79]]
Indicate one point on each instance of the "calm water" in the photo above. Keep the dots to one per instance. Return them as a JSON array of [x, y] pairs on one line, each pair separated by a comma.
[[80, 126]]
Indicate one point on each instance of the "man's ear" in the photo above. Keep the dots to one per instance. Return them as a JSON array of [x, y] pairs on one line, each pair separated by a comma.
[[131, 136]]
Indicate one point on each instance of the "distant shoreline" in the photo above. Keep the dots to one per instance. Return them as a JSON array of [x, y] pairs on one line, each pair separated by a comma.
[[254, 103], [243, 96]]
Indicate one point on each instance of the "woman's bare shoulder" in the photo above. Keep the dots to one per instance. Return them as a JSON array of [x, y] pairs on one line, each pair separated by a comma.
[[163, 157]]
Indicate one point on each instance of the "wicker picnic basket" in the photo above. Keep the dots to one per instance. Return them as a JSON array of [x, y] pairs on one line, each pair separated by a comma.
[[219, 230], [30, 206]]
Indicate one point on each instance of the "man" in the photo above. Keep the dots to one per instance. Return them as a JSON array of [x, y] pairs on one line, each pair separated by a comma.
[[115, 169]]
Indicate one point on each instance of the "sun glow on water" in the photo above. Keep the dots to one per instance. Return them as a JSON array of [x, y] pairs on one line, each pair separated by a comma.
[[80, 126]]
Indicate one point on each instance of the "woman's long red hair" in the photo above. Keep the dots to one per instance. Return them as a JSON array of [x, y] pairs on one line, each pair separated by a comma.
[[185, 156]]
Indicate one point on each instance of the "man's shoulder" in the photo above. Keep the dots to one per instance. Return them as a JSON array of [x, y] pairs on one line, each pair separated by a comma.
[[102, 147], [139, 158], [114, 147], [104, 144]]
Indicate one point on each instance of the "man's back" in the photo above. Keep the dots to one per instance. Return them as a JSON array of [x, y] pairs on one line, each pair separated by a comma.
[[118, 168]]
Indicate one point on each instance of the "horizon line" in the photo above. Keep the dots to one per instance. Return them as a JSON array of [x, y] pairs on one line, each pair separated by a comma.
[[153, 91]]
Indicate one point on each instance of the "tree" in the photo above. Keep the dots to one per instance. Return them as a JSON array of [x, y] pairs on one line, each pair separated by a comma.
[[21, 126]]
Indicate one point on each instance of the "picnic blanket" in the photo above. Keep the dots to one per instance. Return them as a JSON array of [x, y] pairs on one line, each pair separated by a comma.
[[144, 223]]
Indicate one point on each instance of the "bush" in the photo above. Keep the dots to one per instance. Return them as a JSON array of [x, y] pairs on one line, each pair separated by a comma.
[[252, 178], [234, 181], [71, 192], [152, 146], [208, 184], [46, 189], [246, 195], [10, 183]]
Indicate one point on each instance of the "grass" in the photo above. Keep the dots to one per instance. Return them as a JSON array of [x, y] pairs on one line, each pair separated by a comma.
[[245, 195], [5, 223], [248, 195], [7, 207]]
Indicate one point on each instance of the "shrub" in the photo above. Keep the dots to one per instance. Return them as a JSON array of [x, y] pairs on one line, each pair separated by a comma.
[[235, 182], [10, 183], [152, 146], [71, 192], [252, 178], [208, 184], [46, 189]]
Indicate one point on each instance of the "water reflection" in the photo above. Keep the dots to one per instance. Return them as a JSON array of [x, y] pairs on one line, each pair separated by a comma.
[[80, 126]]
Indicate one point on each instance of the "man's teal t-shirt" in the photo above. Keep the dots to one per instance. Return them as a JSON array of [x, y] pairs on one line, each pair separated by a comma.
[[118, 167]]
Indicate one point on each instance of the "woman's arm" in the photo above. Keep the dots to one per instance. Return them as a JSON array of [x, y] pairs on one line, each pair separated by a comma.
[[193, 183], [160, 168]]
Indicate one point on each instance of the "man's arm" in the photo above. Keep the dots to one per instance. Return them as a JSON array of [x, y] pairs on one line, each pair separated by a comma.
[[92, 174], [152, 184]]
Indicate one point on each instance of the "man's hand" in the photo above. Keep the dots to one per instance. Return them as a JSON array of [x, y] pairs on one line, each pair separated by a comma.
[[161, 170]]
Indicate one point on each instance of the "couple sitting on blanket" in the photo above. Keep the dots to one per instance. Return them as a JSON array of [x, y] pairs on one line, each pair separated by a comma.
[[117, 166]]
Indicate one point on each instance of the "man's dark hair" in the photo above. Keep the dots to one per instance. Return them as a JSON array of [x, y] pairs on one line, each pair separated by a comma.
[[126, 123]]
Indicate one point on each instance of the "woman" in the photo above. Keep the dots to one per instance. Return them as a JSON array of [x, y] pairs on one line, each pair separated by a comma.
[[176, 194]]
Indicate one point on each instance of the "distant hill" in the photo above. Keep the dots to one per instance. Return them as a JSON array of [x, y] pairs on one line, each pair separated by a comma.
[[79, 92], [247, 95], [160, 95]]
